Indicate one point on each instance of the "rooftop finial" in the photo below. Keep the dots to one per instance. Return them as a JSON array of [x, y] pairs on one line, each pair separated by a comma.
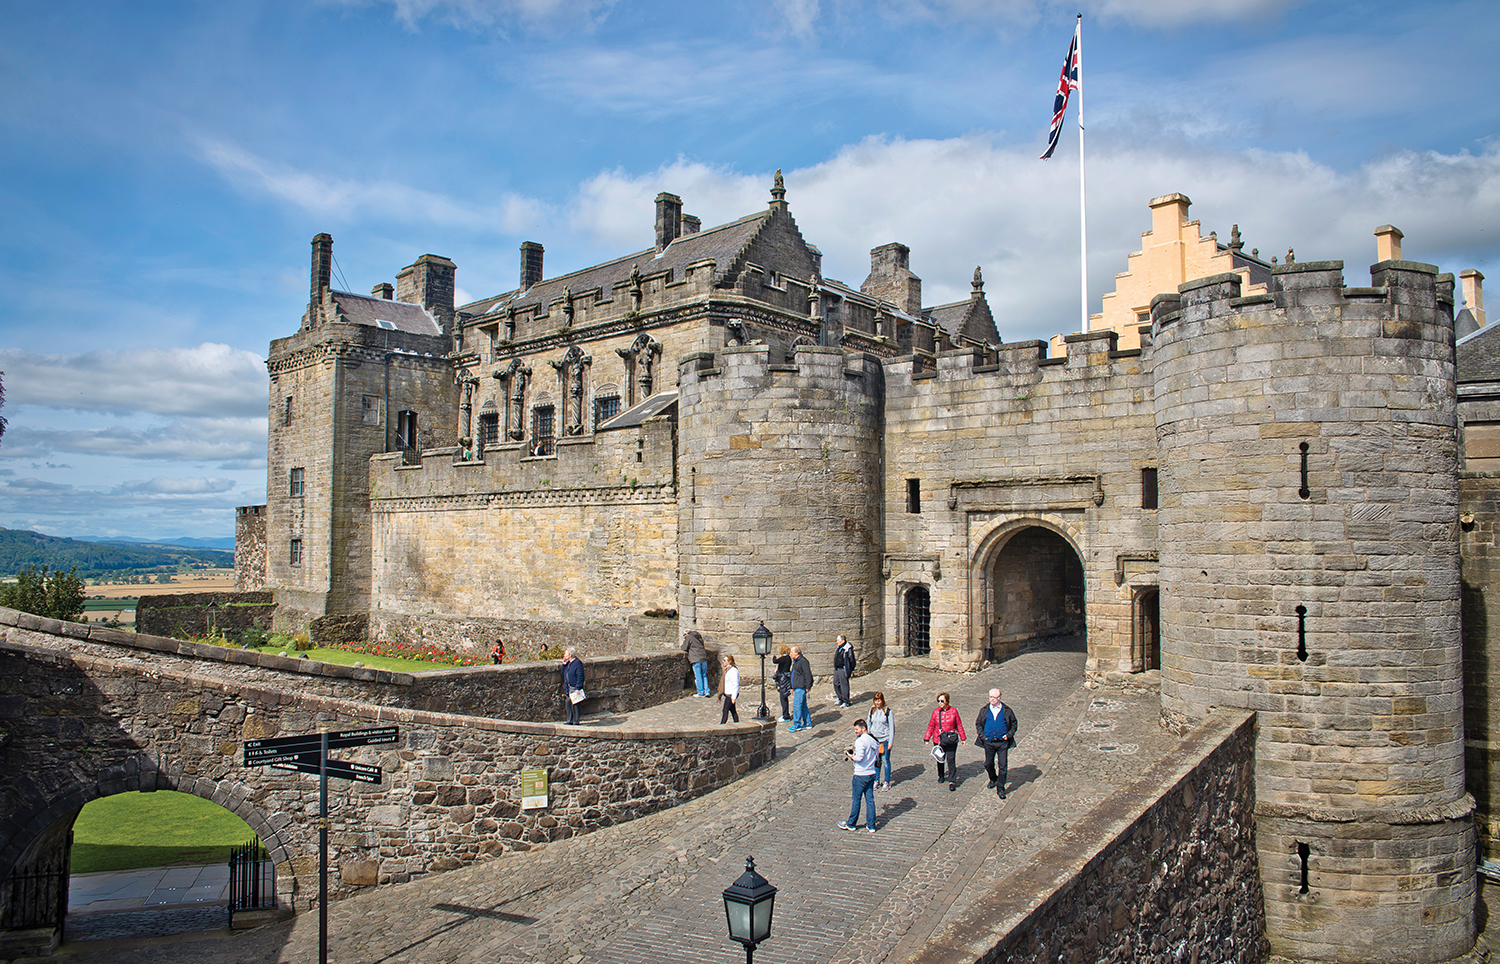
[[1235, 244], [778, 190], [978, 282]]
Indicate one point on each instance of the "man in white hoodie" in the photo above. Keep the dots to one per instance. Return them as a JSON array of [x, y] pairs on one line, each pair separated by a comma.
[[864, 753]]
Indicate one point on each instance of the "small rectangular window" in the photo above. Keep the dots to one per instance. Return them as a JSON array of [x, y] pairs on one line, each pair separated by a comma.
[[541, 430], [296, 553], [1148, 488], [606, 408], [370, 409], [296, 488], [913, 495], [489, 429], [286, 414]]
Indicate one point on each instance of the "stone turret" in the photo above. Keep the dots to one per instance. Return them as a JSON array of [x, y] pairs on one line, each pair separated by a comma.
[[781, 496], [1310, 572]]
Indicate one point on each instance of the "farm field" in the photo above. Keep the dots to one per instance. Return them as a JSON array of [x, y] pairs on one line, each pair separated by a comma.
[[202, 580]]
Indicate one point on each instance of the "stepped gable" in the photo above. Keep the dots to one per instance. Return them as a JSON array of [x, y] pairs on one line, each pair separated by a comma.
[[380, 313], [970, 319], [724, 245]]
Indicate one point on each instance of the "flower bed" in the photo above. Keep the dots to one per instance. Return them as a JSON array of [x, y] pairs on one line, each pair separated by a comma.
[[427, 653]]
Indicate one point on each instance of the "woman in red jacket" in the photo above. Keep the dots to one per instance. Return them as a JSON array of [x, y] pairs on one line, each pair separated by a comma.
[[946, 729]]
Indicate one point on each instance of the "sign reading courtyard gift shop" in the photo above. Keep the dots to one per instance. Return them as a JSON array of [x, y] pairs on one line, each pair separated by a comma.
[[533, 789]]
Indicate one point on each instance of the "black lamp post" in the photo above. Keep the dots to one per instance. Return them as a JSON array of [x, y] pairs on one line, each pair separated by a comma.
[[762, 640], [748, 903]]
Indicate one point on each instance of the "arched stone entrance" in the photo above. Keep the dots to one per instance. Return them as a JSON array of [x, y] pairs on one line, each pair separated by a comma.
[[1145, 632], [1029, 580]]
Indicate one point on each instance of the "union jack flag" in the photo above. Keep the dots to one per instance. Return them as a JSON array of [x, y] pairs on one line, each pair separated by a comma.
[[1066, 84]]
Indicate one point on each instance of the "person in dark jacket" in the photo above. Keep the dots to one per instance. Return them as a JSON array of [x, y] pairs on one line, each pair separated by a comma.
[[801, 682], [783, 680], [697, 654], [843, 668], [572, 675], [995, 733]]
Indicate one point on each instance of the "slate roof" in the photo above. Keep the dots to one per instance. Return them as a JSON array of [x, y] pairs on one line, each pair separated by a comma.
[[657, 404], [390, 315], [970, 318], [723, 245], [1479, 355]]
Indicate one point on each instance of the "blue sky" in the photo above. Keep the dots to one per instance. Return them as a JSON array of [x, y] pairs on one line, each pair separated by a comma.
[[163, 167]]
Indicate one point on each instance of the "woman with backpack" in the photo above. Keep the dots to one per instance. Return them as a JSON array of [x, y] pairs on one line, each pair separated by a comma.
[[946, 729]]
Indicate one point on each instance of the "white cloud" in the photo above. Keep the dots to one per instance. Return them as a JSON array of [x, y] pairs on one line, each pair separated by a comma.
[[1152, 13], [210, 379], [964, 201], [346, 200], [499, 14], [241, 440]]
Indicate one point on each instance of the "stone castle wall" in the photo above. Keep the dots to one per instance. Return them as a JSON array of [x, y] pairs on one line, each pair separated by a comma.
[[585, 539], [779, 504], [1165, 872], [1479, 524], [1328, 603], [450, 794], [250, 548], [998, 448], [201, 613]]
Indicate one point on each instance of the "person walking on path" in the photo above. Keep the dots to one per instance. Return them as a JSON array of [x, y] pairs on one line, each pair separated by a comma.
[[730, 686], [783, 680], [697, 654], [946, 729], [882, 727], [801, 683], [572, 675], [843, 668], [865, 754], [995, 733], [498, 652]]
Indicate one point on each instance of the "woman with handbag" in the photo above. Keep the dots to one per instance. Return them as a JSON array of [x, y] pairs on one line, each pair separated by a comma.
[[946, 729], [882, 727], [783, 680]]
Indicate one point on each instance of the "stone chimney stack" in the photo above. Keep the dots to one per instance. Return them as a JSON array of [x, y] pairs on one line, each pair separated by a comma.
[[531, 263], [383, 291], [668, 220], [1388, 243], [322, 272], [691, 224], [429, 283], [891, 279], [1473, 288]]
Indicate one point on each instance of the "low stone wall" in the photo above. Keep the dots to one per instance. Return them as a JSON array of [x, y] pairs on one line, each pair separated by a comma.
[[451, 791], [530, 692], [476, 634], [199, 613], [1165, 872]]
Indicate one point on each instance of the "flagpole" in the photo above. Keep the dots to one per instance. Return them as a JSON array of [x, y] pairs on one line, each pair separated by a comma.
[[1083, 219]]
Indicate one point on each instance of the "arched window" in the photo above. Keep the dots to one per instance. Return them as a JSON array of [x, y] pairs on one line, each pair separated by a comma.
[[918, 621]]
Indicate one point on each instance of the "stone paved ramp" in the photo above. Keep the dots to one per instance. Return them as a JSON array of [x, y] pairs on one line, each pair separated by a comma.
[[648, 891]]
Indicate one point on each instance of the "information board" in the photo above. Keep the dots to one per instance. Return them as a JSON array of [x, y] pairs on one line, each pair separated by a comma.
[[533, 789]]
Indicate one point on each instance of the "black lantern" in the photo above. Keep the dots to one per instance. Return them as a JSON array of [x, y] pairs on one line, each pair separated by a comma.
[[762, 640], [748, 903]]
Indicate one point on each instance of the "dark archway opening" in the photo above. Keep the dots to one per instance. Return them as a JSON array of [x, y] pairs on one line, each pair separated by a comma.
[[1145, 645], [918, 621], [1036, 592]]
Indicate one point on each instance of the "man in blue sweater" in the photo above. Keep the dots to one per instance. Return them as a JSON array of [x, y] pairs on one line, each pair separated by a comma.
[[995, 733]]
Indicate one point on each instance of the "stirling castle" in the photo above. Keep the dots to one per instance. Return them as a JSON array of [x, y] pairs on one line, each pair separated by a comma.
[[1264, 483]]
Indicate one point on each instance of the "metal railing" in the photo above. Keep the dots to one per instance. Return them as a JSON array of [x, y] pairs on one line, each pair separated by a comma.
[[252, 878], [39, 897]]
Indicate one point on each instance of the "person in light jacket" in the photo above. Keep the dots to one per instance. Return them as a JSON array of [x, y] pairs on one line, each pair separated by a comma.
[[882, 728], [731, 690]]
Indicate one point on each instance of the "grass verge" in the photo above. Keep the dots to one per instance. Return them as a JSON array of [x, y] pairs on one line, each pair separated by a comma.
[[128, 831]]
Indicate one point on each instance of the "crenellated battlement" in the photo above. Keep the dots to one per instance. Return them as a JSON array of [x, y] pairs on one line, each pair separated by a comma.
[[1092, 356]]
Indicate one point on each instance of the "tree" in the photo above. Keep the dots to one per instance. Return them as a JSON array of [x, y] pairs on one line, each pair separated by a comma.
[[54, 594]]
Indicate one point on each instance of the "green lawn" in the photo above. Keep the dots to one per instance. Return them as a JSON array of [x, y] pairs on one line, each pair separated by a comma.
[[131, 830], [341, 658]]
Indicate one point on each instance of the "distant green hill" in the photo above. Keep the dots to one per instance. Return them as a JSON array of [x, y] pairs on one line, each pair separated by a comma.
[[20, 548]]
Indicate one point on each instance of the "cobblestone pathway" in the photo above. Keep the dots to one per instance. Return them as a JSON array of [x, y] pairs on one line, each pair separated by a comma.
[[650, 890]]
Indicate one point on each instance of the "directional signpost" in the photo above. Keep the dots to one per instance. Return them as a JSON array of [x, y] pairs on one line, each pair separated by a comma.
[[309, 754]]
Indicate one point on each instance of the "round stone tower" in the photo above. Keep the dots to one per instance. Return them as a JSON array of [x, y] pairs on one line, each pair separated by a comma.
[[1309, 572], [780, 499]]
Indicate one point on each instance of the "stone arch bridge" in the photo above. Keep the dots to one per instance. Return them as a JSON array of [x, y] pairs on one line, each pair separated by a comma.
[[86, 712]]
